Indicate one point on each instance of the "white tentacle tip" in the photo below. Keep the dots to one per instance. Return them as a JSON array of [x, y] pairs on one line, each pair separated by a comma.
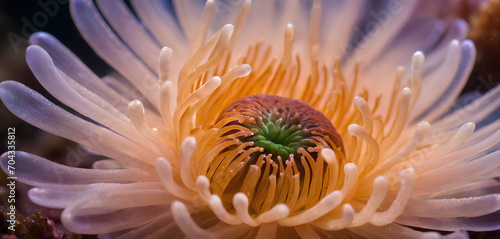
[[335, 195], [135, 104], [347, 209], [282, 210], [240, 199], [162, 165], [418, 57], [214, 83], [408, 173], [203, 186], [276, 213], [359, 101], [329, 156], [202, 181], [348, 214], [178, 207], [228, 27], [166, 52], [188, 143], [380, 181], [166, 86], [355, 129], [350, 167], [406, 91], [244, 70], [469, 126], [214, 200], [423, 125]]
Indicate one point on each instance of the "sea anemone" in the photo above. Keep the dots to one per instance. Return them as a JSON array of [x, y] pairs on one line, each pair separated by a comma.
[[264, 119]]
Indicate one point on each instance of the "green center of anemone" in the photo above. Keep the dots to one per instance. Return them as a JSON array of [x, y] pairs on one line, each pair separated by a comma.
[[281, 126], [277, 139]]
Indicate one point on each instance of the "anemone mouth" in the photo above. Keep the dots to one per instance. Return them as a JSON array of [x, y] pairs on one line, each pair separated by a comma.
[[281, 126], [271, 150]]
